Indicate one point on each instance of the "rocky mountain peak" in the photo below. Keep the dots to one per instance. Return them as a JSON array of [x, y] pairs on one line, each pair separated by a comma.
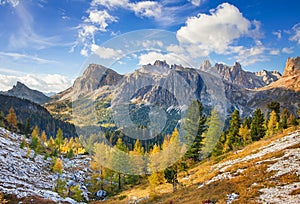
[[159, 63], [205, 65], [20, 90], [292, 67]]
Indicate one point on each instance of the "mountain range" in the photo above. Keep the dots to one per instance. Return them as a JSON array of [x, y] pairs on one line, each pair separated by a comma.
[[162, 84]]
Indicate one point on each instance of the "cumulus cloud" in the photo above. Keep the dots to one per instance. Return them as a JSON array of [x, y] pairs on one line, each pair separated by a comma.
[[216, 32], [288, 50], [106, 53], [42, 82], [100, 18], [146, 8], [296, 33]]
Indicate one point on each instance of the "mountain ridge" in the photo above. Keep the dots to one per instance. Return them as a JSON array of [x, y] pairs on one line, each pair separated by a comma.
[[22, 91]]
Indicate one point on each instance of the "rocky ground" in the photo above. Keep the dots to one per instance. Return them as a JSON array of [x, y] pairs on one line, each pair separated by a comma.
[[24, 176]]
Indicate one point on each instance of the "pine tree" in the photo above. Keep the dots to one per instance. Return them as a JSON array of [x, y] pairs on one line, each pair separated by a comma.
[[77, 193], [51, 143], [275, 106], [137, 159], [284, 119], [219, 148], [194, 126], [155, 165], [34, 138], [212, 134], [272, 124], [120, 159], [178, 165], [233, 139], [257, 127], [59, 138], [43, 137], [292, 120], [58, 166], [245, 133], [12, 118]]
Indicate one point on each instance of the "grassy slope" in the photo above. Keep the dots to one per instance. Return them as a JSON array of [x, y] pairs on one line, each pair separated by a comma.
[[246, 178]]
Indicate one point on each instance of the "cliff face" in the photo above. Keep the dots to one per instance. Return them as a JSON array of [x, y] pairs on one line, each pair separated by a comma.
[[292, 67]]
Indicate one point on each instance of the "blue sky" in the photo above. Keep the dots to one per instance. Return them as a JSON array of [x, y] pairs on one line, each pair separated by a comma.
[[47, 43]]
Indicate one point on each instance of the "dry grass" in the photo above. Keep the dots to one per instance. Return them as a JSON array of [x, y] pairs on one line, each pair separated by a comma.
[[246, 183]]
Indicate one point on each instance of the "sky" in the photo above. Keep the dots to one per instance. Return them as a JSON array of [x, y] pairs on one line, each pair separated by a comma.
[[46, 44]]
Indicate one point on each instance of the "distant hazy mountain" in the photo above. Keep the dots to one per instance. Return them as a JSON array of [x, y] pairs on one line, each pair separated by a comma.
[[20, 90]]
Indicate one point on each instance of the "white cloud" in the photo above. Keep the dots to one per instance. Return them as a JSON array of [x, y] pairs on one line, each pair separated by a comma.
[[278, 34], [170, 58], [146, 8], [97, 21], [13, 3], [175, 49], [152, 44], [196, 2], [100, 18], [23, 57], [288, 50], [41, 82], [110, 3], [274, 52], [247, 56], [296, 35], [217, 31], [106, 53]]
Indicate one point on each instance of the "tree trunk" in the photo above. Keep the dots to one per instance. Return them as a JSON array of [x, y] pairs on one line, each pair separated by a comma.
[[119, 179]]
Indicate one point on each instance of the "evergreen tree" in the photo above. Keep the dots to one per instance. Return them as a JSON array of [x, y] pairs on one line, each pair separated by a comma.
[[233, 139], [219, 148], [272, 124], [59, 138], [58, 166], [275, 106], [76, 193], [284, 119], [178, 165], [194, 126], [257, 126], [120, 159], [43, 137], [245, 134], [137, 159], [292, 120], [156, 176], [12, 119], [212, 134], [34, 138]]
